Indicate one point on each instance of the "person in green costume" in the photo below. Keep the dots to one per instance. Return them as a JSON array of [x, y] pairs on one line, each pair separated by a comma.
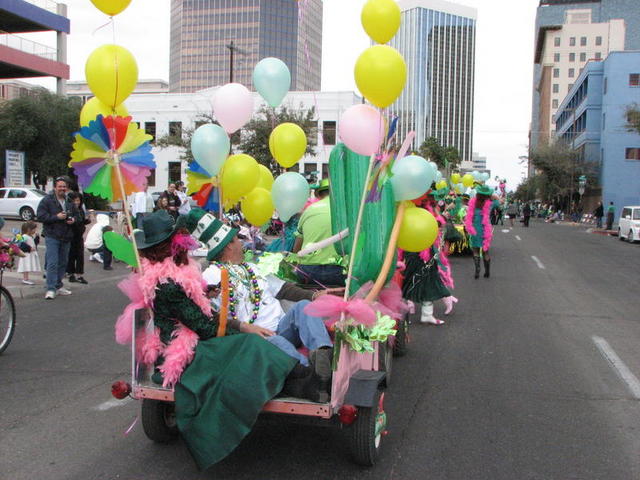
[[220, 383]]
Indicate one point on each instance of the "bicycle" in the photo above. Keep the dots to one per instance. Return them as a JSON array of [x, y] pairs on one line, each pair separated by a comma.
[[7, 315]]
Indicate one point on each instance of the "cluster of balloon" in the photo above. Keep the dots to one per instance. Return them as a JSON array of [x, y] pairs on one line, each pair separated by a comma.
[[480, 177]]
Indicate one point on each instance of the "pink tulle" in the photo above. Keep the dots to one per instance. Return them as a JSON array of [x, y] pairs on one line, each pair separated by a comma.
[[124, 325], [183, 241], [178, 354], [391, 298], [331, 308]]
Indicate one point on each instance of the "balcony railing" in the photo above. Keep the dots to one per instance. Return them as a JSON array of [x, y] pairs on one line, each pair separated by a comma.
[[28, 46], [48, 5]]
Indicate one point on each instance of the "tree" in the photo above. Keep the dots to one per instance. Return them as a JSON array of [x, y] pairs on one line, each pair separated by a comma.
[[40, 124], [447, 158], [633, 118]]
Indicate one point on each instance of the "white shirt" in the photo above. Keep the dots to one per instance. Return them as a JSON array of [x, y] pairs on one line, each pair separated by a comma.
[[142, 203], [270, 311], [185, 207]]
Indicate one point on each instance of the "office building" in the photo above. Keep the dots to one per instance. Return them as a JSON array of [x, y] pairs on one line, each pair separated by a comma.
[[568, 35], [23, 58], [217, 41], [437, 40], [592, 120], [144, 86]]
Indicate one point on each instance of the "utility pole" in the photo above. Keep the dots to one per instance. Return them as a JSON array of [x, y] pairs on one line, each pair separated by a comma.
[[232, 49]]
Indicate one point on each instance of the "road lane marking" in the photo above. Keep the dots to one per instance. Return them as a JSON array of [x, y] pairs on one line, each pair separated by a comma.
[[113, 403], [618, 365], [506, 231], [518, 237], [538, 262]]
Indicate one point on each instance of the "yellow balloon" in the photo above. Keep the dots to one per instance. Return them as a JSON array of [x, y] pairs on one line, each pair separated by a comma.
[[287, 144], [266, 178], [112, 74], [257, 207], [418, 230], [380, 74], [381, 19], [95, 107], [441, 184], [467, 180], [111, 7], [240, 175], [455, 178]]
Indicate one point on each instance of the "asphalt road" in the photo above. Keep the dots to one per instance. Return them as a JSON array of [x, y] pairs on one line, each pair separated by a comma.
[[514, 385]]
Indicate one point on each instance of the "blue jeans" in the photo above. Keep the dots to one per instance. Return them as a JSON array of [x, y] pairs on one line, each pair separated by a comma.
[[296, 329], [56, 256]]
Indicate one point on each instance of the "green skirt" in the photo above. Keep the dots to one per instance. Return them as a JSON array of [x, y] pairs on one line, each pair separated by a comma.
[[221, 393], [421, 280]]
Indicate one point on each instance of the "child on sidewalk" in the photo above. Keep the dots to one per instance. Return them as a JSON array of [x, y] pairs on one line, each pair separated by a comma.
[[31, 261]]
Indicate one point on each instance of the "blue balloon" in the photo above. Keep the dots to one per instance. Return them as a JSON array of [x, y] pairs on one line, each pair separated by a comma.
[[289, 193], [412, 177], [210, 147], [272, 80]]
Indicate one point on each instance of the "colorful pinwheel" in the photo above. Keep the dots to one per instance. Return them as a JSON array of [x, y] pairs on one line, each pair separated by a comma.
[[108, 147], [200, 181]]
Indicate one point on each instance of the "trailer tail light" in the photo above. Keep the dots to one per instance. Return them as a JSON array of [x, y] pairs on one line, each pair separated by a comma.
[[347, 414], [120, 389]]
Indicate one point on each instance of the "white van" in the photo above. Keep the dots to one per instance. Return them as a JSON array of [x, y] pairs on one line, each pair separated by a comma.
[[629, 224]]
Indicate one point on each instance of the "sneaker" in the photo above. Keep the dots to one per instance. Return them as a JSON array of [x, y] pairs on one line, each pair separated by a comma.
[[99, 258], [82, 280], [28, 282], [72, 278], [64, 291], [108, 268], [50, 295]]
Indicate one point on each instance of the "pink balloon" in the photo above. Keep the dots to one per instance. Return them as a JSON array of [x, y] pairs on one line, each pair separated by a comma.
[[362, 129], [233, 106]]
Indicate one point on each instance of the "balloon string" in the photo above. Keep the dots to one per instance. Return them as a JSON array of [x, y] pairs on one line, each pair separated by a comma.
[[102, 26]]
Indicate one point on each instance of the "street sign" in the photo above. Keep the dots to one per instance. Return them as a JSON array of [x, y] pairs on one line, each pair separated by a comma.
[[14, 171]]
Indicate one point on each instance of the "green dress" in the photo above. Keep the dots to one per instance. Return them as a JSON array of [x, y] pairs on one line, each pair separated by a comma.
[[422, 281], [222, 391]]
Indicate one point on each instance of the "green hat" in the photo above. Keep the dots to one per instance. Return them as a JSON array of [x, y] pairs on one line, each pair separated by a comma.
[[322, 186], [208, 230], [157, 227], [484, 190], [439, 194]]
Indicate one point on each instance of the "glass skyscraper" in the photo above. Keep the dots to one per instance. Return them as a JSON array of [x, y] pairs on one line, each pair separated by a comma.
[[438, 41], [204, 33]]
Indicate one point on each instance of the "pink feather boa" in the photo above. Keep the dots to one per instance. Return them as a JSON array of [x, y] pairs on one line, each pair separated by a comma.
[[486, 221], [444, 270]]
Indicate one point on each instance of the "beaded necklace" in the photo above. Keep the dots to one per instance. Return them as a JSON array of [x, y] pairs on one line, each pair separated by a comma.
[[245, 275]]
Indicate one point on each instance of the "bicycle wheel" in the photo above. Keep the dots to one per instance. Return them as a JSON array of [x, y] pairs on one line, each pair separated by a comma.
[[7, 318]]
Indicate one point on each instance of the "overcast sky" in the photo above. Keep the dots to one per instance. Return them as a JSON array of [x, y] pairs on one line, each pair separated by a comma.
[[503, 61]]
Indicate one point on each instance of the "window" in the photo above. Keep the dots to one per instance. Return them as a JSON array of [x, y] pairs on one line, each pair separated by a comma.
[[636, 214], [556, 41], [569, 87], [554, 104], [626, 212], [175, 172], [598, 41], [634, 80], [632, 153], [556, 73], [572, 42], [17, 194], [605, 84], [175, 129], [598, 56], [556, 57], [3, 192], [572, 57], [572, 72], [150, 129], [583, 57], [583, 41], [604, 121], [329, 132]]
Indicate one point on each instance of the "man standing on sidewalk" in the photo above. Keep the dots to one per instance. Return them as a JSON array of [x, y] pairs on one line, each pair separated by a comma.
[[142, 205], [599, 213], [57, 219], [611, 212]]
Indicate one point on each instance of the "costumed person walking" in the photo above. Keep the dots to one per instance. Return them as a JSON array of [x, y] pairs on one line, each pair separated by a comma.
[[478, 225], [427, 276], [221, 382]]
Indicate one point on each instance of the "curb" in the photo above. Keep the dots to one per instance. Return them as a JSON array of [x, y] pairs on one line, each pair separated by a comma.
[[19, 292]]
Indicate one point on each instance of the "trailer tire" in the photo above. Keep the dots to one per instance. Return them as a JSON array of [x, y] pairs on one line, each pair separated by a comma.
[[400, 345], [385, 360], [159, 420], [365, 435]]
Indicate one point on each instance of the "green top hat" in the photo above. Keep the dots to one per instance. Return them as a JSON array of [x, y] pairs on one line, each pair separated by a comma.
[[208, 230], [157, 227], [484, 190], [322, 186]]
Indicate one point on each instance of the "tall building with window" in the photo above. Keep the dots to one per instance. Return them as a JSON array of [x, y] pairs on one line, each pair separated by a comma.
[[570, 33], [214, 41], [438, 41]]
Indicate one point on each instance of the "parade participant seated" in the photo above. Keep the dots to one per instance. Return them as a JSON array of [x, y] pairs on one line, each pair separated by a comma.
[[322, 266], [220, 383], [255, 299]]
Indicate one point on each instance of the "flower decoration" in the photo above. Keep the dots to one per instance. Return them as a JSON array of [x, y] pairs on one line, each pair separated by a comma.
[[204, 185], [106, 148]]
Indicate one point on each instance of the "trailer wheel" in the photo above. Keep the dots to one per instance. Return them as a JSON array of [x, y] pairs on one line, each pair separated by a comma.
[[159, 420], [401, 344], [367, 432], [385, 360]]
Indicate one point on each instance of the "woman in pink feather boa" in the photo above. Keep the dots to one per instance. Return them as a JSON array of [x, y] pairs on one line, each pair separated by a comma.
[[478, 226]]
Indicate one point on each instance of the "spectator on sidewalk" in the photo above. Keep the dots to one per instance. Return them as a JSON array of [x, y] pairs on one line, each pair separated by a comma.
[[173, 201], [30, 263], [599, 213], [142, 204], [526, 214], [181, 191], [95, 242], [57, 219], [75, 266], [611, 212]]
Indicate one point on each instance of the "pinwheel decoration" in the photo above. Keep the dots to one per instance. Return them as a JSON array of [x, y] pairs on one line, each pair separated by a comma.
[[112, 157], [204, 186]]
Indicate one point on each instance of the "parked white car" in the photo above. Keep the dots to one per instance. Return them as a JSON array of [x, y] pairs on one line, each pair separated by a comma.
[[21, 202], [629, 224]]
